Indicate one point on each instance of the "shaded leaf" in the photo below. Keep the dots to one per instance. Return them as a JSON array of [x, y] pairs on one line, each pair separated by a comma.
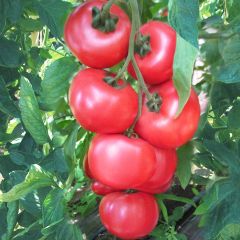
[[31, 114]]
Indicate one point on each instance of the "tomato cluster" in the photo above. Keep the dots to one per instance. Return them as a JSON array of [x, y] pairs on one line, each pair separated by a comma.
[[126, 169]]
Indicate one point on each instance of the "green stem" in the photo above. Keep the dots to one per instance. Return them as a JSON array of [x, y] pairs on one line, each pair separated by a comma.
[[106, 8], [135, 28]]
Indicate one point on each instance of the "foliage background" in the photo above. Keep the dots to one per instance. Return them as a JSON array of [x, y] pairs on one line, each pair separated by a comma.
[[42, 148]]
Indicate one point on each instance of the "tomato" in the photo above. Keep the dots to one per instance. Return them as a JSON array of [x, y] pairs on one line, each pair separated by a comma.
[[92, 47], [102, 189], [121, 162], [99, 107], [157, 66], [164, 171], [129, 216], [163, 129]]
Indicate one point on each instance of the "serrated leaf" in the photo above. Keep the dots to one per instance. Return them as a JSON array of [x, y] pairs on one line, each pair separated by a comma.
[[36, 178], [56, 81], [68, 230], [223, 154], [69, 148], [10, 56], [53, 13], [184, 60], [52, 213], [31, 115], [183, 17], [224, 210], [185, 154]]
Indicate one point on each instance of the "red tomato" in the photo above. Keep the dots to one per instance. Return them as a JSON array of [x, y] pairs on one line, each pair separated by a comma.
[[100, 108], [163, 129], [102, 189], [129, 216], [91, 46], [160, 189], [156, 66], [164, 171], [121, 162]]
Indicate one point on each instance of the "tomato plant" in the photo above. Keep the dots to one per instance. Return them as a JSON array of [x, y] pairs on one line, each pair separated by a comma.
[[157, 65], [129, 216], [96, 105], [92, 46], [164, 128], [109, 155]]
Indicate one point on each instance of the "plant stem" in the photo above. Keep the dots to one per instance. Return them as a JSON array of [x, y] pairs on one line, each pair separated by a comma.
[[106, 8], [135, 28]]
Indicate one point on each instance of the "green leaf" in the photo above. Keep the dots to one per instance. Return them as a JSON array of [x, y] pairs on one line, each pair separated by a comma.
[[53, 13], [36, 178], [185, 155], [3, 222], [30, 25], [234, 115], [14, 11], [232, 7], [12, 215], [231, 231], [224, 209], [183, 16], [10, 56], [223, 154], [69, 148], [184, 61], [31, 115], [55, 85], [4, 5], [6, 103], [53, 213], [68, 230]]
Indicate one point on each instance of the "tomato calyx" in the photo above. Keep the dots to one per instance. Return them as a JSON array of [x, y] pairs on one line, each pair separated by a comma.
[[102, 19], [113, 81], [154, 103], [142, 45]]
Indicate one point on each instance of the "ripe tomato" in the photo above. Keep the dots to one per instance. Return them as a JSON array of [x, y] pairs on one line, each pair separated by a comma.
[[156, 66], [121, 162], [129, 216], [100, 108], [164, 171], [163, 129], [102, 189], [92, 47]]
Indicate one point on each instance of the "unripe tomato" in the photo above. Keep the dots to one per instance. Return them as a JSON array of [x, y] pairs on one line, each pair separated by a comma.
[[102, 189], [157, 66], [99, 107], [164, 171], [91, 46], [129, 216], [121, 162], [162, 129]]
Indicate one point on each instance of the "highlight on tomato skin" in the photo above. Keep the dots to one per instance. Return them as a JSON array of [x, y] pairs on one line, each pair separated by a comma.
[[163, 129], [129, 216], [99, 107], [121, 162], [91, 46], [157, 65]]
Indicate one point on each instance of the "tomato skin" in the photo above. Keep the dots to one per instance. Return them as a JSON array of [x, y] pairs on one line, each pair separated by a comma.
[[99, 107], [162, 129], [121, 162], [164, 171], [92, 47], [102, 189], [129, 216], [157, 66]]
